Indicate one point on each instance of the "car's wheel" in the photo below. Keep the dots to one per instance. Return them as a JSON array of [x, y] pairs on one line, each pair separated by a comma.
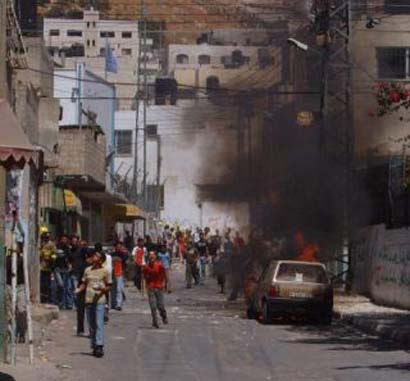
[[266, 314], [326, 318]]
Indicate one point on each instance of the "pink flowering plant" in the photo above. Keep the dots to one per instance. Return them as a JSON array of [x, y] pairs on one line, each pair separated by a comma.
[[391, 97]]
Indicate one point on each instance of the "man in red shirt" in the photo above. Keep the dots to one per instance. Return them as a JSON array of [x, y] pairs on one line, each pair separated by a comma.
[[155, 276]]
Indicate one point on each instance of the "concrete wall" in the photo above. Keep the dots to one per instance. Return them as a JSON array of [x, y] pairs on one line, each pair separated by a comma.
[[216, 52], [381, 260], [81, 153]]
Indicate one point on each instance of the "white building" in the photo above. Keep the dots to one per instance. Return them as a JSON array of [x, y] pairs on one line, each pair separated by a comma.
[[85, 98], [189, 146], [92, 34], [72, 41]]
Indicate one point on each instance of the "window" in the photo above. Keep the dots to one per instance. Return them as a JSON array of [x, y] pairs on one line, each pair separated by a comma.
[[204, 59], [93, 24], [152, 130], [293, 272], [126, 52], [74, 33], [54, 32], [393, 63], [93, 42], [126, 34], [182, 59], [88, 42], [88, 24], [397, 6], [264, 58], [102, 52], [155, 197], [123, 142], [107, 34], [212, 83]]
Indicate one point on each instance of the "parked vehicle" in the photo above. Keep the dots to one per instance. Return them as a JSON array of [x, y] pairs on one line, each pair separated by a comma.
[[292, 289]]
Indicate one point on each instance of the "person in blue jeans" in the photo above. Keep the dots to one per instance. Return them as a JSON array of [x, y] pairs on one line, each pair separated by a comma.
[[65, 296], [165, 259], [96, 283]]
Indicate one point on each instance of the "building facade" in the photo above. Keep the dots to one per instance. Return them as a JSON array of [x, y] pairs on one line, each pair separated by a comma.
[[73, 41]]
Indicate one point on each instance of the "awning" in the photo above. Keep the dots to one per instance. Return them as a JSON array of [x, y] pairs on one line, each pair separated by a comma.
[[132, 211], [125, 212], [15, 148]]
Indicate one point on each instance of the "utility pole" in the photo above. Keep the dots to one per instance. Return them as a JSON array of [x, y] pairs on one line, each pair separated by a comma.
[[137, 110], [145, 99], [334, 22]]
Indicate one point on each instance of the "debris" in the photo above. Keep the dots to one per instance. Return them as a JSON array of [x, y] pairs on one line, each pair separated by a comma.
[[64, 366]]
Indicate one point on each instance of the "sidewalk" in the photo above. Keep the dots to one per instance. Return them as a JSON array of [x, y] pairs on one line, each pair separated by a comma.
[[359, 311]]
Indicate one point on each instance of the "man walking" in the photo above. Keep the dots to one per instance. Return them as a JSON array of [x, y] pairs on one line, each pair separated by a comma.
[[191, 271], [139, 254], [154, 275], [62, 276], [165, 259], [202, 248], [97, 283], [119, 259]]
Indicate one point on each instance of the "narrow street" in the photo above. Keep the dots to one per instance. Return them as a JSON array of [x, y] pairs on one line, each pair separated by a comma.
[[209, 339]]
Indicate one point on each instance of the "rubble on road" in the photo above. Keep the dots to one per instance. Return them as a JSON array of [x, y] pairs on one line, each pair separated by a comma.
[[361, 312]]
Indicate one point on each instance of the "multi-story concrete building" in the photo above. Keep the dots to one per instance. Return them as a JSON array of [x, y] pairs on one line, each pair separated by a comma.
[[210, 66], [85, 40], [91, 34]]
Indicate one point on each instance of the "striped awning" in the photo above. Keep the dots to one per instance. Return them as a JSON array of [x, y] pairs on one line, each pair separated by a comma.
[[15, 148]]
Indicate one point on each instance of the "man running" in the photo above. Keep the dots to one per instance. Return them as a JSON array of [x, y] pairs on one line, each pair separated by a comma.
[[155, 277]]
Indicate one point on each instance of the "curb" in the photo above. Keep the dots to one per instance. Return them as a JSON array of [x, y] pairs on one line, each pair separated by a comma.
[[371, 326], [45, 313]]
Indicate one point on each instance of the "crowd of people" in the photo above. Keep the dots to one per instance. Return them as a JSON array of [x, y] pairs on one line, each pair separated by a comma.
[[91, 278]]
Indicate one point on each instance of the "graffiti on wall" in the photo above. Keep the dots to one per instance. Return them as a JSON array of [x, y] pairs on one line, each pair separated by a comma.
[[382, 265]]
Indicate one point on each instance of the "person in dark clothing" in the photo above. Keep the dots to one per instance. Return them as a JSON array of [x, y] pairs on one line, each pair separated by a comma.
[[77, 264], [149, 245], [191, 271], [62, 274], [202, 248], [80, 261], [128, 241]]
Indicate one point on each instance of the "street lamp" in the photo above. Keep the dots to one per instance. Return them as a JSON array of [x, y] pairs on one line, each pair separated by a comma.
[[298, 44]]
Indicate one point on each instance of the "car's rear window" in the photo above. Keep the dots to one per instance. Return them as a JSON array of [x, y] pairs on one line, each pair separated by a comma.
[[297, 272]]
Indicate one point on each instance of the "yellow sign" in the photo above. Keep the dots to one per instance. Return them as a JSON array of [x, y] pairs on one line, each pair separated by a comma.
[[72, 201]]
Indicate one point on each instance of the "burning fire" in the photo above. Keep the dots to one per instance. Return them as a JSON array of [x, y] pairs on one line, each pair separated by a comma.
[[307, 252]]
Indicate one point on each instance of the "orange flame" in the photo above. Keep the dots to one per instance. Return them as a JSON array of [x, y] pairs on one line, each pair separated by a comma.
[[307, 251]]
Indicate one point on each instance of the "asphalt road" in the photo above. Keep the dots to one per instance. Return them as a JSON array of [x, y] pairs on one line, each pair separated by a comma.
[[209, 339]]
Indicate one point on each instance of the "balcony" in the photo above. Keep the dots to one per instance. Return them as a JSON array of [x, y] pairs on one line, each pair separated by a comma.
[[81, 157]]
